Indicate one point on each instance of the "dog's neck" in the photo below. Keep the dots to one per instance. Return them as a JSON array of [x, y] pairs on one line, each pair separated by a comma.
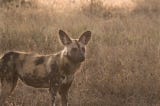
[[67, 65]]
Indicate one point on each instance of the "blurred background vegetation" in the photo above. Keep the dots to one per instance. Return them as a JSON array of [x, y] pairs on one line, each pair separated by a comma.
[[123, 57]]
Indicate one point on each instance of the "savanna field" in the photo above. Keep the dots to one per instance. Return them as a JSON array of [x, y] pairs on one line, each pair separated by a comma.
[[123, 57]]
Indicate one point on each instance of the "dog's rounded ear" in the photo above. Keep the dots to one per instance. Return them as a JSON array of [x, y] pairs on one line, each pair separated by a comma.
[[85, 37], [65, 39]]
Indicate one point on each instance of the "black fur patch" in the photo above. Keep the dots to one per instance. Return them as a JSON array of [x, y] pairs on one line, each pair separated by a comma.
[[9, 57], [66, 67], [54, 68], [55, 74], [35, 81], [39, 60], [22, 62], [8, 72]]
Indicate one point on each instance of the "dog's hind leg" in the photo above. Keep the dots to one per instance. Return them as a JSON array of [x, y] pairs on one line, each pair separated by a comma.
[[7, 86]]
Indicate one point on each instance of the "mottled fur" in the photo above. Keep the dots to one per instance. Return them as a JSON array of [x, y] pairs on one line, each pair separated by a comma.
[[55, 71]]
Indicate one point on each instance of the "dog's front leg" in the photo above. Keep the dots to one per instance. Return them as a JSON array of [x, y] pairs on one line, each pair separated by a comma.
[[63, 91], [53, 91]]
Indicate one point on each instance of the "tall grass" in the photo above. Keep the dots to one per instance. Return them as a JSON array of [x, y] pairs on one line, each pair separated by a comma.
[[123, 57]]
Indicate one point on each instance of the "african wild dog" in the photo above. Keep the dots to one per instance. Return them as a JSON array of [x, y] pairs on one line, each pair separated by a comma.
[[55, 71]]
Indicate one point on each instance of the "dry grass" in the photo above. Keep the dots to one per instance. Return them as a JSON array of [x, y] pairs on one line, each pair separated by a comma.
[[123, 58]]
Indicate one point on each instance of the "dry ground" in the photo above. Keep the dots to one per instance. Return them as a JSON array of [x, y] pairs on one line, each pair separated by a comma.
[[123, 57]]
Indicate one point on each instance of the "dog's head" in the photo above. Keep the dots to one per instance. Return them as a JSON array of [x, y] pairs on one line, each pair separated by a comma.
[[75, 48]]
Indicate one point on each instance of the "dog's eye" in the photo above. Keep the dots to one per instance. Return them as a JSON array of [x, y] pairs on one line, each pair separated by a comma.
[[83, 49]]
